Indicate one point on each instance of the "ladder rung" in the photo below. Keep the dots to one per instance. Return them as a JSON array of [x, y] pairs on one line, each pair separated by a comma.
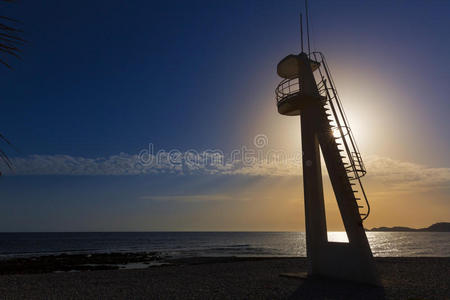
[[360, 206], [357, 198]]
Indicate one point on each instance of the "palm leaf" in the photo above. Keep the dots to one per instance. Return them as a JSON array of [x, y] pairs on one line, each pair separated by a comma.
[[3, 138], [9, 38], [5, 159], [3, 156], [9, 42]]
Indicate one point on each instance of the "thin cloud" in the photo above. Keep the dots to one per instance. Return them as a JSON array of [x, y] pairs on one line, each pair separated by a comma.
[[393, 173], [404, 175], [189, 198]]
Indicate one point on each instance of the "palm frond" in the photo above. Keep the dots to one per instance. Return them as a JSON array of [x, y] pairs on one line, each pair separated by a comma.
[[3, 138], [6, 159], [10, 41], [3, 156]]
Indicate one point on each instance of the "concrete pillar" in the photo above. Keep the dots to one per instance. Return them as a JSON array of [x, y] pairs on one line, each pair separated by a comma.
[[316, 228]]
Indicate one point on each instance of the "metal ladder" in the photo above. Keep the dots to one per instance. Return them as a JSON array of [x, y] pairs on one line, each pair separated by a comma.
[[338, 128]]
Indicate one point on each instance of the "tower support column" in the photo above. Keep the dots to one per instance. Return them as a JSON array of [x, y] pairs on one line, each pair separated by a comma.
[[315, 220]]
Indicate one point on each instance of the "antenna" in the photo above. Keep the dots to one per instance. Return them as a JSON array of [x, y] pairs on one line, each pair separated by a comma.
[[307, 26], [301, 30]]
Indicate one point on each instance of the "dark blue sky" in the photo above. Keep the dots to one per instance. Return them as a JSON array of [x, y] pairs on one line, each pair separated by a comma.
[[104, 77], [113, 76]]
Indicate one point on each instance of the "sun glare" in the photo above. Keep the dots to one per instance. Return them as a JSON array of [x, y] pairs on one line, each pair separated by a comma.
[[336, 133]]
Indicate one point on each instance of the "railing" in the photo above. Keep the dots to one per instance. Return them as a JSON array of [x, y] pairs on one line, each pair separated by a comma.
[[342, 133], [288, 88]]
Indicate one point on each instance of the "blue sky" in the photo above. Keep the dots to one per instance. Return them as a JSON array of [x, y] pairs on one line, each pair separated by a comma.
[[111, 77]]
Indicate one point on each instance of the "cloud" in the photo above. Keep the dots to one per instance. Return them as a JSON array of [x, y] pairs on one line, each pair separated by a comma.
[[122, 164], [404, 175], [191, 198], [390, 172], [126, 164]]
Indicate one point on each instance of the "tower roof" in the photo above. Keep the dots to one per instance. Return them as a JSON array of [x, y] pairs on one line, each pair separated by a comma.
[[289, 66]]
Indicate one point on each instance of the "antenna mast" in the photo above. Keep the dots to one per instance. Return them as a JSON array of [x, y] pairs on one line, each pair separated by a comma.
[[307, 26], [301, 30]]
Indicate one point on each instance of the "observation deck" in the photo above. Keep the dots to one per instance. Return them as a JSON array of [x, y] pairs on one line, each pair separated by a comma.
[[298, 89], [291, 97]]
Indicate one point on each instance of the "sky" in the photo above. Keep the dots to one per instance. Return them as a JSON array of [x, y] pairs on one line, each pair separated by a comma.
[[108, 95]]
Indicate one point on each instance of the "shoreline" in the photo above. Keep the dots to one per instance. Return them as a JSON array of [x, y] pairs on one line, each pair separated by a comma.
[[182, 244], [230, 278], [66, 262]]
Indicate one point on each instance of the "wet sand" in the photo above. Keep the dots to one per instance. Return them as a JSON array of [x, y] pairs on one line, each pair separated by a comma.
[[232, 278]]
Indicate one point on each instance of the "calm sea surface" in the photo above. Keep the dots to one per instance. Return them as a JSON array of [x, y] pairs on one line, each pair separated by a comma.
[[188, 244]]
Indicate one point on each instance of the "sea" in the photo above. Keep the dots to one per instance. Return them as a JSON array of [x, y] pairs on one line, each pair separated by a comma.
[[213, 244]]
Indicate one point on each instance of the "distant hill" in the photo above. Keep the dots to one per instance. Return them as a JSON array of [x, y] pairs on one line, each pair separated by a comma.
[[437, 227]]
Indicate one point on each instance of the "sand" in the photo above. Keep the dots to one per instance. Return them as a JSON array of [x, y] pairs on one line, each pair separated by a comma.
[[228, 278]]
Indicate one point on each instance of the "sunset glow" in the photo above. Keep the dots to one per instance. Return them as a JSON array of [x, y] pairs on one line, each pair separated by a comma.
[[196, 79]]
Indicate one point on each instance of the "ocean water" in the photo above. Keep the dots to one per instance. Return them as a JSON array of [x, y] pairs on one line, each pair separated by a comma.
[[189, 244]]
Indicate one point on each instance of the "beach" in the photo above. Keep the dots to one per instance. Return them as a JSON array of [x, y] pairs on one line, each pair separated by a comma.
[[231, 278]]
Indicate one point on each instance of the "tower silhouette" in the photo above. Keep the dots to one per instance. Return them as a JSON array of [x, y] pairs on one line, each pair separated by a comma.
[[307, 90]]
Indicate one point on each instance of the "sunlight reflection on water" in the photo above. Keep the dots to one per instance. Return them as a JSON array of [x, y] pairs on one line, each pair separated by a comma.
[[402, 243], [337, 236], [188, 244], [410, 243]]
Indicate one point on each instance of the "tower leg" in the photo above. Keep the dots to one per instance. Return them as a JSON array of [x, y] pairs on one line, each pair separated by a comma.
[[348, 261], [353, 260], [316, 228]]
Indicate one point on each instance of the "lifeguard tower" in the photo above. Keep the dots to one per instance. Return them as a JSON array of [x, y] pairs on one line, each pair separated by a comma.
[[307, 90]]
